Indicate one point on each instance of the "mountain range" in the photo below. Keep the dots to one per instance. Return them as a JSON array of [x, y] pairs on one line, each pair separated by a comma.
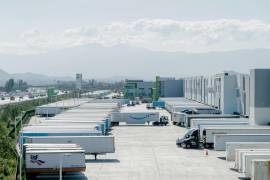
[[120, 62]]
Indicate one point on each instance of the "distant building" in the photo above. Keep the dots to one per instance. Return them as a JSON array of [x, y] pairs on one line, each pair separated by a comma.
[[138, 88], [168, 87], [79, 81]]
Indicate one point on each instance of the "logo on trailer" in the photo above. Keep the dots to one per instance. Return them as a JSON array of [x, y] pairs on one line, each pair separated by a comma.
[[35, 160], [141, 118]]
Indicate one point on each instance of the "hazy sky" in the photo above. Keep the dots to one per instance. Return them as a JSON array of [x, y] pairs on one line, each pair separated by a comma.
[[34, 27]]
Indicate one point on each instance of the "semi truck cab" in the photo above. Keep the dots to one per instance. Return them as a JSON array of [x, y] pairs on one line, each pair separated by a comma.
[[190, 139]]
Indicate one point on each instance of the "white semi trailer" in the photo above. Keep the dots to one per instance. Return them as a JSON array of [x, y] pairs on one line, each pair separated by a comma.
[[91, 144], [50, 161], [196, 122], [220, 140], [210, 132], [189, 117], [240, 161], [232, 146], [134, 117]]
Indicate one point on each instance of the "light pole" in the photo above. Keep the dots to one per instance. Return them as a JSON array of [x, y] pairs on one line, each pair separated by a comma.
[[61, 164], [21, 154], [15, 127]]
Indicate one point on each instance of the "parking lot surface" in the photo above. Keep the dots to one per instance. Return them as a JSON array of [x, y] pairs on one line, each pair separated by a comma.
[[150, 153]]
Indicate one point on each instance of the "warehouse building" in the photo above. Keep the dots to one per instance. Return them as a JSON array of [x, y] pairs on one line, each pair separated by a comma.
[[227, 91], [168, 87], [138, 88], [259, 96]]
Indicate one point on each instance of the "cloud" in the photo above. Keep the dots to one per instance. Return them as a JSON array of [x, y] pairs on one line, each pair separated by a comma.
[[154, 34]]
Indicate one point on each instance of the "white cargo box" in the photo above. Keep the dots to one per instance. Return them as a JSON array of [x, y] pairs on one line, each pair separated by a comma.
[[189, 117], [210, 132], [248, 159], [220, 140], [40, 145], [196, 122], [239, 156], [232, 146], [260, 169], [48, 161], [178, 117], [91, 144], [135, 117], [55, 126], [203, 126]]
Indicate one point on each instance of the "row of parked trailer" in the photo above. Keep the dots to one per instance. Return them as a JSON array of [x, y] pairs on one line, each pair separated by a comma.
[[60, 142], [252, 159], [248, 145]]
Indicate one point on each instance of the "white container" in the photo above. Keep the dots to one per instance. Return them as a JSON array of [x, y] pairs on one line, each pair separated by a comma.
[[91, 144], [220, 140], [232, 146], [195, 123], [248, 159], [59, 132], [62, 126], [72, 119], [239, 160], [229, 124], [210, 132], [260, 169], [49, 145], [48, 161], [178, 117], [188, 117], [135, 117]]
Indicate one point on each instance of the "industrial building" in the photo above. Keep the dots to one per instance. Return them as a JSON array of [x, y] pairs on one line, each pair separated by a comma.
[[259, 96], [168, 87], [162, 87], [138, 88], [227, 91]]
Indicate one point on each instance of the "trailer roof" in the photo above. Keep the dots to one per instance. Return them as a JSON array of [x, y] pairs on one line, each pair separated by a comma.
[[59, 131], [221, 119], [50, 145], [64, 137], [211, 115], [45, 151], [240, 127]]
